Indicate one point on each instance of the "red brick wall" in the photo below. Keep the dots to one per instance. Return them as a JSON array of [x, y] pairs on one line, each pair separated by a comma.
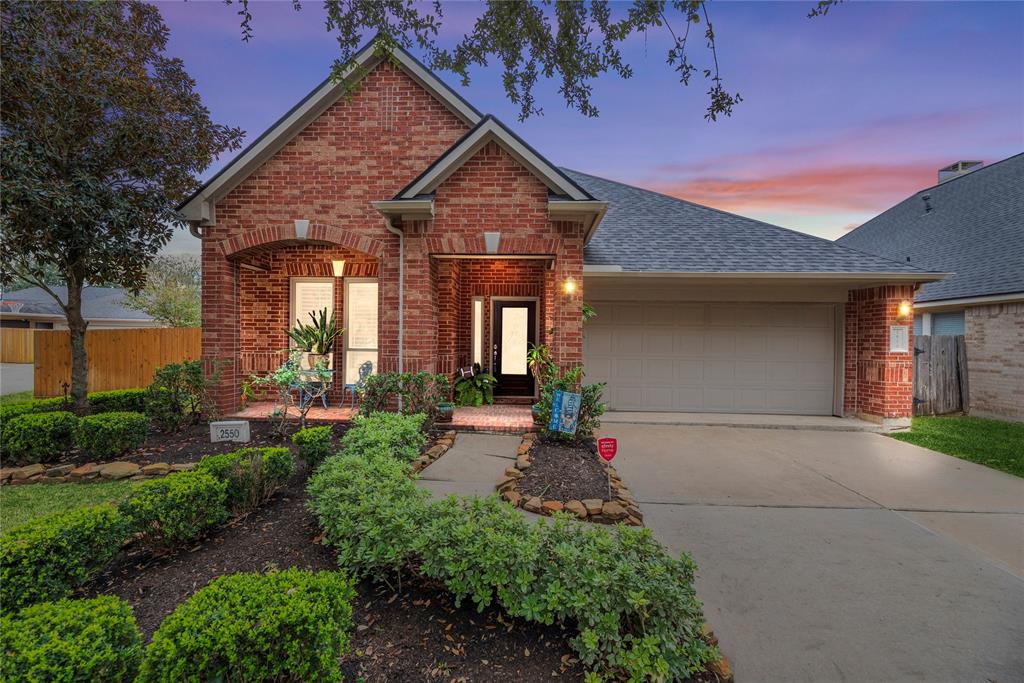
[[878, 383]]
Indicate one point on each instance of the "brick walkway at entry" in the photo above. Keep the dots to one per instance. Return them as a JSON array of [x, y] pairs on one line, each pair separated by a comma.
[[506, 419]]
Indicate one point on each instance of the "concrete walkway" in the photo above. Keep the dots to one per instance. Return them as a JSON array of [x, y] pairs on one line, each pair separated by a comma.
[[839, 556], [472, 466]]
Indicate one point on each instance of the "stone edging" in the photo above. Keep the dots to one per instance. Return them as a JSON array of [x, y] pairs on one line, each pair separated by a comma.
[[87, 473], [440, 447], [623, 509]]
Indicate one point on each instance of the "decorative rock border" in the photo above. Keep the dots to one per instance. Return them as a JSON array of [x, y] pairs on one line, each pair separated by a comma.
[[88, 473], [439, 448], [622, 509]]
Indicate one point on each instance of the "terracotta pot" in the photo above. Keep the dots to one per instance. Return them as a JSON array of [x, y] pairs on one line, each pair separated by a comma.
[[313, 358]]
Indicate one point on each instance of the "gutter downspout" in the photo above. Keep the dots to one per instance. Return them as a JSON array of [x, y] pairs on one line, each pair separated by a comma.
[[401, 294]]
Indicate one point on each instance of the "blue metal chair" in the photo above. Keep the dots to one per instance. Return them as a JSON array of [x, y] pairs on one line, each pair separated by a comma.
[[365, 370]]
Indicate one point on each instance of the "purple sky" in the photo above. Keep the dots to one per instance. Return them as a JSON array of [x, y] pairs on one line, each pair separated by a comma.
[[842, 116]]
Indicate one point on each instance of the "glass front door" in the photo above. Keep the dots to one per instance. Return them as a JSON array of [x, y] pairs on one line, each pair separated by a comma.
[[515, 328]]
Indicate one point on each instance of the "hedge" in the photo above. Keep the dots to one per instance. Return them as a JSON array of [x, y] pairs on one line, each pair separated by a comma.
[[177, 509], [399, 436], [291, 625], [71, 640], [252, 475], [47, 558], [634, 604], [38, 437], [36, 405], [108, 435], [314, 445], [118, 400]]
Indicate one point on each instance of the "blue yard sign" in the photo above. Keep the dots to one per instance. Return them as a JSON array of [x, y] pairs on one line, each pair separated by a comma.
[[565, 411]]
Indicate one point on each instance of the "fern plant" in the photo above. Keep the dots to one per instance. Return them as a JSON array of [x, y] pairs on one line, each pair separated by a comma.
[[475, 389]]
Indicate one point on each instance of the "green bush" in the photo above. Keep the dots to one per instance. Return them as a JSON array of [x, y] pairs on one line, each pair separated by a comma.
[[591, 407], [420, 392], [314, 445], [38, 437], [47, 558], [71, 640], [108, 435], [174, 510], [291, 625], [118, 400], [179, 395], [36, 405], [399, 436], [252, 475]]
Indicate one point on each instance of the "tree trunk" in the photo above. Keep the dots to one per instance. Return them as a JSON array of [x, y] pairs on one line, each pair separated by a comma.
[[79, 362]]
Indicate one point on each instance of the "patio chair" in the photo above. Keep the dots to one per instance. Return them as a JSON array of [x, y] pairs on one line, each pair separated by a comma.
[[365, 370]]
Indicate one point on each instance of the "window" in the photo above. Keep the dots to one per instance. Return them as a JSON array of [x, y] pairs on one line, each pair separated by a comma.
[[918, 325], [478, 329], [360, 326], [311, 295], [950, 323]]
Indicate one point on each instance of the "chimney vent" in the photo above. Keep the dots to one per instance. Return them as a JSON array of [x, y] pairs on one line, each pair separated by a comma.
[[958, 169], [927, 204]]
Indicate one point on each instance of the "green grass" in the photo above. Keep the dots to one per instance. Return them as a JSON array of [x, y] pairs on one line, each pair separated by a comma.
[[18, 397], [993, 443], [19, 504]]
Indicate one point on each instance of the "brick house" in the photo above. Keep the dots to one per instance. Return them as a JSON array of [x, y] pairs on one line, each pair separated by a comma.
[[439, 238], [971, 224]]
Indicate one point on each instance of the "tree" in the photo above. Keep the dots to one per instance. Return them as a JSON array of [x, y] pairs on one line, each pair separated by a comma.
[[571, 41], [101, 135], [172, 292]]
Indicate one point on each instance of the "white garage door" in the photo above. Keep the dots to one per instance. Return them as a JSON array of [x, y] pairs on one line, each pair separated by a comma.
[[713, 357]]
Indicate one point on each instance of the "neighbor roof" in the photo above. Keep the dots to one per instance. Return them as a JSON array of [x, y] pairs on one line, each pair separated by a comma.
[[975, 229], [645, 231], [98, 303]]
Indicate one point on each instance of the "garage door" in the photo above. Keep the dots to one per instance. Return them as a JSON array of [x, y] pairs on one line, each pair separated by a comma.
[[713, 357]]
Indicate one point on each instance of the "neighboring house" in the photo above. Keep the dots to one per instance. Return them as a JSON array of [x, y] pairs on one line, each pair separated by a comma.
[[439, 238], [102, 307], [971, 225]]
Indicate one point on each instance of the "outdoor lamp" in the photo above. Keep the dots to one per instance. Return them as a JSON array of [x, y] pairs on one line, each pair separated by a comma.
[[569, 287], [905, 309], [338, 267]]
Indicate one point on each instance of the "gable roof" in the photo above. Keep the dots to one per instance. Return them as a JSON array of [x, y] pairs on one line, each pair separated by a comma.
[[198, 207], [648, 232], [975, 229], [98, 303], [490, 129]]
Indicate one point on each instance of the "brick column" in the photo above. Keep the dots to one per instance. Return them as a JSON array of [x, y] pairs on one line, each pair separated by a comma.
[[878, 382], [220, 325]]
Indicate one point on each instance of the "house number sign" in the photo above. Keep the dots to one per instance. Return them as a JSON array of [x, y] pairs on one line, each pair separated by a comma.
[[229, 430]]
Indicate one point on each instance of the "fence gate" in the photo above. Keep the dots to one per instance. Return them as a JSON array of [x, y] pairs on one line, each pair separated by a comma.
[[940, 375]]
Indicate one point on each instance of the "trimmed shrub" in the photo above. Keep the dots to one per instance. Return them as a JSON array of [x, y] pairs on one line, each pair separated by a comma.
[[314, 445], [38, 437], [35, 405], [72, 640], [420, 392], [399, 436], [291, 625], [252, 475], [174, 510], [110, 434], [179, 394], [47, 558], [118, 400]]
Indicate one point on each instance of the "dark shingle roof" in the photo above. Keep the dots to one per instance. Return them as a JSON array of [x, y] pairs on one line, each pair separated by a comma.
[[647, 231], [974, 230], [98, 303]]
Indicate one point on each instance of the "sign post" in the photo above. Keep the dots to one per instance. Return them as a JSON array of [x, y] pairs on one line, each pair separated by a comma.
[[607, 447]]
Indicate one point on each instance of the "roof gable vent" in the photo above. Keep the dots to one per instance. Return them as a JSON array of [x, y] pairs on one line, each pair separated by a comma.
[[958, 169]]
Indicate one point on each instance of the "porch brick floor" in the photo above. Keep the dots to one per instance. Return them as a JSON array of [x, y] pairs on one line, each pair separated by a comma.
[[506, 419]]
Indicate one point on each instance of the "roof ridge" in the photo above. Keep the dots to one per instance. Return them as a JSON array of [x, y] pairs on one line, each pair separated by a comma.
[[946, 183]]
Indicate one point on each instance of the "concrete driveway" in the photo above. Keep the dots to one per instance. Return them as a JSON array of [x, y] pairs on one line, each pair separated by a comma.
[[839, 556]]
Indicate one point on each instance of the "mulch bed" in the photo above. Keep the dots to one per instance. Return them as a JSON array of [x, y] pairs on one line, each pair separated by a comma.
[[564, 471], [418, 635]]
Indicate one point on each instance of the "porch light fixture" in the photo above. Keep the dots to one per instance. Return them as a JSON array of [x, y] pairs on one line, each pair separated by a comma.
[[905, 309], [569, 287], [491, 242], [301, 229], [338, 267]]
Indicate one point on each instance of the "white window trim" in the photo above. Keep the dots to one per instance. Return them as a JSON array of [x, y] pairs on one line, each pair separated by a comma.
[[292, 282], [345, 337], [477, 330]]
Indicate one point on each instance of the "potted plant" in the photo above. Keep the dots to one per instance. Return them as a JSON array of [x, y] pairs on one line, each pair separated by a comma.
[[445, 411], [316, 340], [474, 387]]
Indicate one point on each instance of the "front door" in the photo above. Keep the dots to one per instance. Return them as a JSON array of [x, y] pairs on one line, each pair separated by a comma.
[[515, 328]]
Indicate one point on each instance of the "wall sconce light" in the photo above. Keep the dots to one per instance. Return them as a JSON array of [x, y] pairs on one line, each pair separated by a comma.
[[339, 268], [905, 309], [491, 242], [569, 287], [301, 229]]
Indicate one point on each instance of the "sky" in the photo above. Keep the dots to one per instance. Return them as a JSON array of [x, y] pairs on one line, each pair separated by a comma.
[[842, 116]]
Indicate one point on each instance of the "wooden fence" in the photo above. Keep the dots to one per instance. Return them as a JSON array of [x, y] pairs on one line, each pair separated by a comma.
[[940, 375], [15, 345], [118, 359]]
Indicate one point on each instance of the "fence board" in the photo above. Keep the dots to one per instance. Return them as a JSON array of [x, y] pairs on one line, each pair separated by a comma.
[[118, 359], [940, 374], [15, 345]]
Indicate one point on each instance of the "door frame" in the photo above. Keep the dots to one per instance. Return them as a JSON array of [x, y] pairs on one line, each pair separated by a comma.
[[536, 329]]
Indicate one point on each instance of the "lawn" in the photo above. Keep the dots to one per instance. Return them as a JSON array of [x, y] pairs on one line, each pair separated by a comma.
[[993, 443], [19, 504], [17, 397]]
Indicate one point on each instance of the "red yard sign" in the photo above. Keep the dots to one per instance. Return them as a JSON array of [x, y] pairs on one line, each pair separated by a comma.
[[607, 447]]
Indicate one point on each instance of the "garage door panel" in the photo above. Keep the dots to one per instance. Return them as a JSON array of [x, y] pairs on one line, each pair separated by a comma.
[[658, 341], [658, 398], [751, 372], [689, 371], [816, 347], [628, 340], [688, 343], [627, 370], [660, 371], [627, 314], [660, 314], [753, 343], [751, 400], [719, 343], [720, 371], [597, 341]]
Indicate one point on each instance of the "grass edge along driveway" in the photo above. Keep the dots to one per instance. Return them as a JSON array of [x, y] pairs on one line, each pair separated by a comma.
[[993, 443]]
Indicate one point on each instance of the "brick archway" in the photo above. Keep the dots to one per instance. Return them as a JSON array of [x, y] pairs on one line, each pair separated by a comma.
[[318, 232]]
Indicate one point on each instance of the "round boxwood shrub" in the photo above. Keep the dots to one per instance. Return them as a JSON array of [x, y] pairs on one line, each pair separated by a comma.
[[38, 437], [314, 445], [110, 434], [47, 558], [71, 640], [291, 625], [174, 510]]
